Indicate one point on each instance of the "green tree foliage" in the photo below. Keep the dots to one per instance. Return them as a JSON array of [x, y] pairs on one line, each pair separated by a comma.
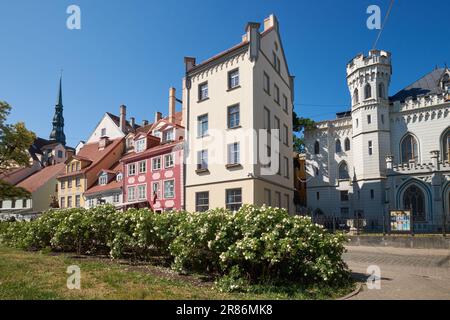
[[299, 126], [15, 140]]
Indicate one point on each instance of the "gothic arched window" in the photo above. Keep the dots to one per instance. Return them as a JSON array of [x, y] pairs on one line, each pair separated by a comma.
[[355, 96], [414, 200], [317, 148], [446, 145], [343, 171], [347, 144], [338, 146], [367, 91], [381, 91], [409, 148]]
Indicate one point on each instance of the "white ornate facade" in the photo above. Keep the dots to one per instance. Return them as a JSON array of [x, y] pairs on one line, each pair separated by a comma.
[[386, 153]]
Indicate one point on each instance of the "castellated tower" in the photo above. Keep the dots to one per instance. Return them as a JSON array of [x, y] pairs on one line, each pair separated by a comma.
[[368, 79]]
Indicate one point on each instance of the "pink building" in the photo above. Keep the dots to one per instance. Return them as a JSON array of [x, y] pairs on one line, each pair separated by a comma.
[[153, 165]]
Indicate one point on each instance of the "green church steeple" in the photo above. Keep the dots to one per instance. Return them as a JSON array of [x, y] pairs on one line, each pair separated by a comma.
[[57, 133]]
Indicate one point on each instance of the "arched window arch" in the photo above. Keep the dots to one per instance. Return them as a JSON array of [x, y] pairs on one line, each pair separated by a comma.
[[381, 91], [347, 144], [338, 146], [414, 200], [446, 145], [317, 147], [355, 96], [368, 91], [409, 149], [343, 171]]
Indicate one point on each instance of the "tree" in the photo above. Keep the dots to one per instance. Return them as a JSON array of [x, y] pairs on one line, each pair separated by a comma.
[[299, 126], [15, 140]]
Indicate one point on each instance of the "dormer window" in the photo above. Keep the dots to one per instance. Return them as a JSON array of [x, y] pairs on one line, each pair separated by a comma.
[[157, 133], [141, 145], [103, 179], [168, 136], [446, 83], [119, 177]]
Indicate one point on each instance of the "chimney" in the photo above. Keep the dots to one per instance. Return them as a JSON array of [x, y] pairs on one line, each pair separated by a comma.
[[172, 104], [253, 37], [270, 22], [123, 118], [132, 122], [103, 143], [158, 116], [144, 123], [189, 62]]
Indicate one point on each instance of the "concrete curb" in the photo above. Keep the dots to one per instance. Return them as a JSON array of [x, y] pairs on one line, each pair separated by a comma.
[[352, 294]]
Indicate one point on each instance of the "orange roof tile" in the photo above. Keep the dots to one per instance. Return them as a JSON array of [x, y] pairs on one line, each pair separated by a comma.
[[41, 177]]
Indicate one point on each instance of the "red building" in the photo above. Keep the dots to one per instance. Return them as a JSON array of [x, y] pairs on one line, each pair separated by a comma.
[[153, 165]]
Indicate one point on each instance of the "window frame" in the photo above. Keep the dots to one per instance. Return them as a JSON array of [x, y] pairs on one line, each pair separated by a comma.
[[154, 160], [200, 132], [266, 83], [233, 205], [201, 91], [234, 153], [236, 114], [232, 85], [131, 173], [172, 163], [173, 187], [201, 207]]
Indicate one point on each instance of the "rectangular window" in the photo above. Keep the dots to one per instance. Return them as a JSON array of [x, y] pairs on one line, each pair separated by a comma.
[[168, 136], [168, 161], [233, 117], [143, 166], [357, 123], [69, 183], [202, 125], [156, 190], [266, 83], [276, 126], [277, 93], [382, 118], [202, 201], [202, 160], [24, 203], [233, 199], [267, 197], [132, 169], [318, 195], [233, 79], [62, 202], [169, 189], [78, 166], [131, 193], [266, 119], [285, 104], [233, 153], [60, 154], [372, 194], [287, 202], [344, 196], [279, 164], [142, 192], [140, 145], [1, 204], [369, 119], [203, 91], [370, 148], [286, 167], [103, 180], [63, 185], [116, 198], [69, 202], [278, 199], [72, 167], [77, 201], [285, 135], [156, 164]]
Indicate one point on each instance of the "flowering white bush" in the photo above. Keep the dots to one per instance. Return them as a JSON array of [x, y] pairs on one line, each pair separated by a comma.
[[256, 245]]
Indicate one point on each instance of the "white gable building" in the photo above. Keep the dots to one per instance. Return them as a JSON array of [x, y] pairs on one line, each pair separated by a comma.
[[387, 153]]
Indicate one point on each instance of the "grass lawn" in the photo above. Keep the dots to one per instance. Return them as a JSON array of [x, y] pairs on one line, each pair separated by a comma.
[[42, 276]]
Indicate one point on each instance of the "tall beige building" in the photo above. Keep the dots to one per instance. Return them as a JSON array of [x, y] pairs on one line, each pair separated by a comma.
[[237, 108]]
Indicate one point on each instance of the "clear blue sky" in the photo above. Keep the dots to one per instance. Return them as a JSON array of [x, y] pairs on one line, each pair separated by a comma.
[[130, 52]]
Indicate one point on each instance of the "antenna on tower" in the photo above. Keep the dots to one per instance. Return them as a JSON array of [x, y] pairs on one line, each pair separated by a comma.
[[384, 24]]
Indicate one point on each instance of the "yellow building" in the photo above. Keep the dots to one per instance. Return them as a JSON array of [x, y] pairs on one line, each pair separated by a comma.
[[82, 169]]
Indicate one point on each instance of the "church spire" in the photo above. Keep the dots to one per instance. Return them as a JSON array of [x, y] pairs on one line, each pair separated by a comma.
[[57, 133]]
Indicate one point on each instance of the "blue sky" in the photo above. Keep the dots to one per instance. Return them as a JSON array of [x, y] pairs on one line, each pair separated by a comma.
[[130, 52]]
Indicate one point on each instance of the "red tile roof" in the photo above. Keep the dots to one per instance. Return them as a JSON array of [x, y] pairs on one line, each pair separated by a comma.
[[41, 177], [112, 185], [92, 153]]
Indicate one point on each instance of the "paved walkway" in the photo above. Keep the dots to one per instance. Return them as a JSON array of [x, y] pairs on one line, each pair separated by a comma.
[[405, 273]]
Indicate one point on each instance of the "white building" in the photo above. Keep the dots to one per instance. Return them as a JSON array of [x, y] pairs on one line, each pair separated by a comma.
[[386, 153], [228, 100]]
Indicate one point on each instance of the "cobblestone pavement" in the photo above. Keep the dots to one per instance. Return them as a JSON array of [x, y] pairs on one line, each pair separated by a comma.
[[405, 273]]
